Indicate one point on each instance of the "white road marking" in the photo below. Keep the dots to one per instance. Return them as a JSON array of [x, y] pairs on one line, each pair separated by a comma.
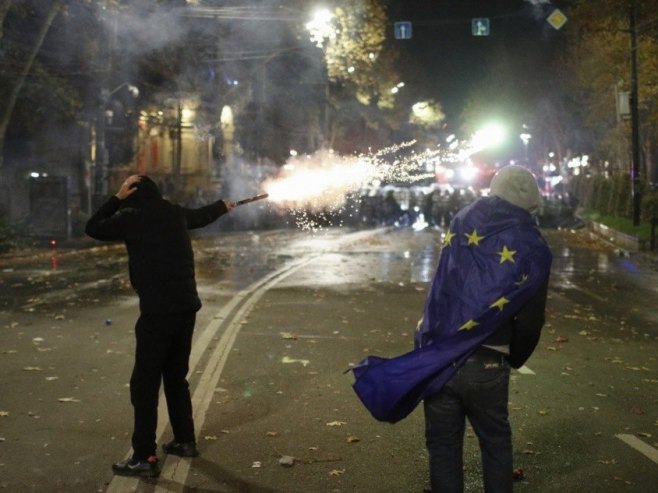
[[174, 469], [524, 370], [642, 447]]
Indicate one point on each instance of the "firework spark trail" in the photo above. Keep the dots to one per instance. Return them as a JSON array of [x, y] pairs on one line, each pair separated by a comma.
[[316, 188]]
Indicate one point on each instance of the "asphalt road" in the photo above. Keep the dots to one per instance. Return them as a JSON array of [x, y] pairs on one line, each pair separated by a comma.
[[285, 314]]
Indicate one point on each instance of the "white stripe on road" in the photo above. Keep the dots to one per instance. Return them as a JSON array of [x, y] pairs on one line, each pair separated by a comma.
[[173, 467], [639, 445], [176, 469]]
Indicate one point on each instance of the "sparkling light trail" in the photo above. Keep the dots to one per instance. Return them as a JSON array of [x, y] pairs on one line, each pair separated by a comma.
[[316, 189]]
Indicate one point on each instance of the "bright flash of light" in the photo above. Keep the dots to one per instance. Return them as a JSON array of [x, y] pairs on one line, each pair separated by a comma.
[[487, 137], [468, 172], [315, 187], [321, 27]]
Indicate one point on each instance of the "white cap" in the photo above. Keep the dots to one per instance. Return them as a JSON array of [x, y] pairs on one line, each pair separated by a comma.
[[516, 185]]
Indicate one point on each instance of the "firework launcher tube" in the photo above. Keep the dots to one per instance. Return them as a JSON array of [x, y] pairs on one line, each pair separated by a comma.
[[252, 199]]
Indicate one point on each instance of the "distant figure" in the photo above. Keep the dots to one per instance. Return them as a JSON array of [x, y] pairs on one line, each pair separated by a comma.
[[391, 209], [161, 264]]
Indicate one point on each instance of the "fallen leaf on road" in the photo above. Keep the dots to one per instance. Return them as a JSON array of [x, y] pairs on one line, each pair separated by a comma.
[[336, 472], [543, 412], [32, 368], [353, 439], [4, 413], [288, 335], [287, 461], [288, 360], [561, 339], [645, 435], [272, 433], [210, 437], [256, 464], [68, 399], [336, 423]]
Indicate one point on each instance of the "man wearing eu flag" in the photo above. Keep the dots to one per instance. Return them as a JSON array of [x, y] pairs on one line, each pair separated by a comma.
[[483, 315]]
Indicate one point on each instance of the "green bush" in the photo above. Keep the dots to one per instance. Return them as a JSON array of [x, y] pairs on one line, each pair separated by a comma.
[[7, 237], [649, 207]]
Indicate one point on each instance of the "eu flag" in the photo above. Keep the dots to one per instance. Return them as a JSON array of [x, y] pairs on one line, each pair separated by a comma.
[[493, 260]]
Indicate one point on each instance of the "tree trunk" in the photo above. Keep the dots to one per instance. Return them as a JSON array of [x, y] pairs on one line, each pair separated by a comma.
[[4, 8], [10, 104]]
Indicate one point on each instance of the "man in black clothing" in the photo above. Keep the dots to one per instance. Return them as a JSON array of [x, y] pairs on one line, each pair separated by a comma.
[[161, 266]]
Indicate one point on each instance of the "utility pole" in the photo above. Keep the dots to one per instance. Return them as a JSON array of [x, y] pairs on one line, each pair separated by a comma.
[[635, 119]]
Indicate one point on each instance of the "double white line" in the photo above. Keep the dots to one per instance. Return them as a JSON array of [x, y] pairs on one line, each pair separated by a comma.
[[175, 469]]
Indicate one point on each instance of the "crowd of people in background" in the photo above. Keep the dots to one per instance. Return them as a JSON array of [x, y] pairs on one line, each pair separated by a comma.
[[389, 206], [406, 206]]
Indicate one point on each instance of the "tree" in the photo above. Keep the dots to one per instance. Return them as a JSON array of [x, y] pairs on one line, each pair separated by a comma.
[[360, 64], [16, 85], [599, 58]]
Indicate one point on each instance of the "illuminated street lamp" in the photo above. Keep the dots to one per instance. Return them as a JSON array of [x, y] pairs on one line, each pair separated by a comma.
[[488, 136], [321, 26], [525, 138]]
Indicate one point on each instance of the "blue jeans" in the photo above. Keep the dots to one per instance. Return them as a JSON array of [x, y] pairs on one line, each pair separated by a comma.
[[479, 391]]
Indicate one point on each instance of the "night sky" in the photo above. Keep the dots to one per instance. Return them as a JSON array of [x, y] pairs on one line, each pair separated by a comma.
[[443, 59]]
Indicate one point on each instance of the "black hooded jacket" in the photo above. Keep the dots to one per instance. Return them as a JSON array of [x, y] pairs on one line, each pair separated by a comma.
[[160, 256]]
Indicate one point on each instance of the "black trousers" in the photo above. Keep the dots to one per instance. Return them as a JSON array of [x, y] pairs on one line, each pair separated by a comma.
[[162, 354]]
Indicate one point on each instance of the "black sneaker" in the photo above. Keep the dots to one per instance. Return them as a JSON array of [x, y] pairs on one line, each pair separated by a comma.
[[181, 449], [148, 468]]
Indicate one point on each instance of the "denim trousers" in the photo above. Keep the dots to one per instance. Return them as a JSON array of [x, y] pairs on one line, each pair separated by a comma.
[[162, 354], [479, 391]]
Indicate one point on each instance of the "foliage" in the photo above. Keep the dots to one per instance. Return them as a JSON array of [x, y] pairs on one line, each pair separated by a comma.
[[598, 56], [427, 114], [649, 206], [612, 196], [357, 55]]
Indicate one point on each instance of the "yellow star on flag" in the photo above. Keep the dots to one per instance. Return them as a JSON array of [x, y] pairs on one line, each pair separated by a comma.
[[449, 236], [506, 254], [523, 279], [499, 303], [473, 238], [469, 325]]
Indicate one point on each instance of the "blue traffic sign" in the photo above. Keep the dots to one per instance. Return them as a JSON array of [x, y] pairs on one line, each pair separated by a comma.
[[480, 26], [402, 30]]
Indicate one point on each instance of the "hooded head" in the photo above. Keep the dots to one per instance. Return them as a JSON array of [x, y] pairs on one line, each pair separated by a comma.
[[516, 185], [147, 190]]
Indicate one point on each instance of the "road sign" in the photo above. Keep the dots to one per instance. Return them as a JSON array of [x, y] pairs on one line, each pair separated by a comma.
[[557, 19], [480, 26], [402, 30]]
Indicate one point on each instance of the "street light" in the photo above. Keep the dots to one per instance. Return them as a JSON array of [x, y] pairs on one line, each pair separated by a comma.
[[100, 154], [321, 26], [525, 138]]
